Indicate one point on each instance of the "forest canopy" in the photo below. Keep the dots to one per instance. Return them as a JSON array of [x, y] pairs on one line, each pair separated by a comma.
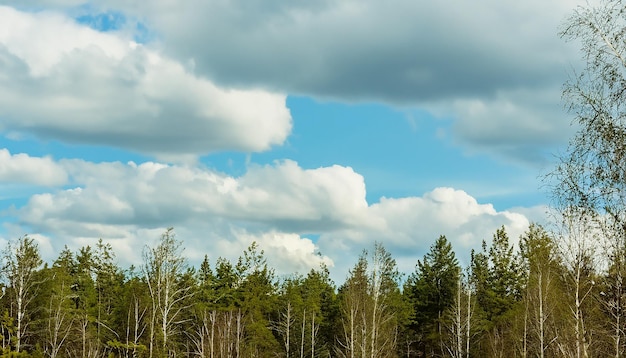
[[507, 301]]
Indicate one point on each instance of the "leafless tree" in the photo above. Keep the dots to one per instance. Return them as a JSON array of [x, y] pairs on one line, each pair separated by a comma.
[[590, 179]]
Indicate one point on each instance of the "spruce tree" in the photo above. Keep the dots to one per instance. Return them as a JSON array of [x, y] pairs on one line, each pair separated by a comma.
[[431, 289]]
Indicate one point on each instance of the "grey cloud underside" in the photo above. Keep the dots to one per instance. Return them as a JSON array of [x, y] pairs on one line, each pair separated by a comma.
[[402, 51]]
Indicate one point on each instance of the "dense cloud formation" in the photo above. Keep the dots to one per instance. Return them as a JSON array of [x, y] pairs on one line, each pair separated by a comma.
[[399, 51], [64, 81], [486, 63], [128, 204], [24, 169], [498, 65], [408, 226]]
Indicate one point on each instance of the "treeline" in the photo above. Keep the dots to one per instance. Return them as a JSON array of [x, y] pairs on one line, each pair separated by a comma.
[[534, 300]]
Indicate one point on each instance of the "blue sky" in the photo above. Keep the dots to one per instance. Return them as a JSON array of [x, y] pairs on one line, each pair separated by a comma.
[[317, 126]]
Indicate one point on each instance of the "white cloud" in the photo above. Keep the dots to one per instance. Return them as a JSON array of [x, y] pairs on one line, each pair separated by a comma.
[[496, 73], [24, 169], [129, 205], [65, 81], [287, 253], [157, 194], [408, 226]]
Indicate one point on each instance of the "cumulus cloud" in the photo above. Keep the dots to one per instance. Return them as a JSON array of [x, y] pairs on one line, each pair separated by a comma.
[[277, 205], [287, 253], [284, 195], [64, 81], [25, 169], [498, 65], [219, 82], [409, 226]]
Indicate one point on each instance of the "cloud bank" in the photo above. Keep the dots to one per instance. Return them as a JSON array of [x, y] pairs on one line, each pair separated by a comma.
[[60, 80], [280, 206]]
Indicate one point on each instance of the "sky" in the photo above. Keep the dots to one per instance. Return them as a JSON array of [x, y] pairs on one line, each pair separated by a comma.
[[314, 128]]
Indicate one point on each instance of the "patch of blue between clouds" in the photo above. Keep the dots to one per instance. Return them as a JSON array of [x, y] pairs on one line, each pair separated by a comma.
[[37, 147], [103, 22], [114, 21], [399, 153]]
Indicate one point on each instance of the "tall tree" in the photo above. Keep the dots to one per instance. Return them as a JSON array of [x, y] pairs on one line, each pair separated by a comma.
[[86, 302], [290, 323], [577, 240], [56, 297], [256, 298], [353, 298], [505, 276], [109, 279], [322, 312], [371, 306], [163, 269], [132, 306], [21, 262], [479, 283], [459, 319], [590, 179], [387, 311], [497, 280], [431, 290], [543, 290]]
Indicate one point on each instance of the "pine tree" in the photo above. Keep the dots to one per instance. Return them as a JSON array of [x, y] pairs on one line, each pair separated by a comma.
[[322, 314], [501, 295], [256, 298], [86, 302], [431, 290]]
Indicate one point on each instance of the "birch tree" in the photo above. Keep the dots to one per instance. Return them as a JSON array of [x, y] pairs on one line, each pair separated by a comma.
[[162, 270], [591, 174], [543, 288], [21, 262], [459, 319], [371, 307], [578, 247]]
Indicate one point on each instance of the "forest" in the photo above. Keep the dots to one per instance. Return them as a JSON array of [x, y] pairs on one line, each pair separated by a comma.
[[523, 298]]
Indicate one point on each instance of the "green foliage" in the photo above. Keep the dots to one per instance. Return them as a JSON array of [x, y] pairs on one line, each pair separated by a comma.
[[371, 306], [255, 295], [430, 291], [505, 278], [85, 304]]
